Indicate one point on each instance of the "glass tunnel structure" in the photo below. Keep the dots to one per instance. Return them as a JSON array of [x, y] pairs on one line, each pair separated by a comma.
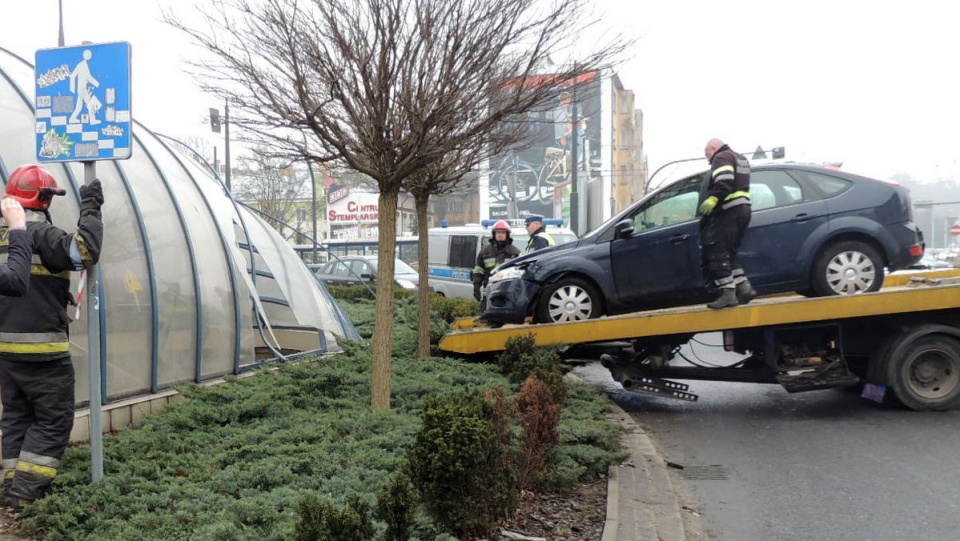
[[193, 286]]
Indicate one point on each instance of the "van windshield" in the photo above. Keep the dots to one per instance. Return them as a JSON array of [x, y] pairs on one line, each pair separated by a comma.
[[520, 241]]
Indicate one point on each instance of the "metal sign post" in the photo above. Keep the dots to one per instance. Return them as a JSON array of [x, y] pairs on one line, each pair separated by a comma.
[[93, 353], [83, 114]]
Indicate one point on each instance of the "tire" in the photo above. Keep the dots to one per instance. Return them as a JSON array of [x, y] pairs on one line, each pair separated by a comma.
[[926, 377], [569, 299], [847, 268]]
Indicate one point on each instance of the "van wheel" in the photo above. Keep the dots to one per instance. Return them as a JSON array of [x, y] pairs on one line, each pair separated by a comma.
[[847, 268], [569, 299]]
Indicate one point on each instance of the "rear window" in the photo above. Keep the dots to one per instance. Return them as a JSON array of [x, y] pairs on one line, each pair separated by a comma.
[[776, 188], [829, 185]]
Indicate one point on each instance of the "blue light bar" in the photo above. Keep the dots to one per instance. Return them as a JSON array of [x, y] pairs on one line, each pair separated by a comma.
[[520, 222]]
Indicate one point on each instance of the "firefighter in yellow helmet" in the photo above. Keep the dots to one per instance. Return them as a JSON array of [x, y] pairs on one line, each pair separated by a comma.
[[36, 370], [499, 249]]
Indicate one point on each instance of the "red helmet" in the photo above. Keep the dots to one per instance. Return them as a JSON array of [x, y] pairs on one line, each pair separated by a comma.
[[502, 225], [33, 186]]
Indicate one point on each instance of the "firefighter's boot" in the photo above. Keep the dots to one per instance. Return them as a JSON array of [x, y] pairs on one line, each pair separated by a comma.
[[745, 292], [727, 299]]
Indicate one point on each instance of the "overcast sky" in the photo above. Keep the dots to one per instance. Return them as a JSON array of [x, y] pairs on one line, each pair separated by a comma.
[[867, 83]]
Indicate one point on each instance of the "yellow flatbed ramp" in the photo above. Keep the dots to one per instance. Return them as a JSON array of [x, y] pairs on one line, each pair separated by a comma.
[[902, 293]]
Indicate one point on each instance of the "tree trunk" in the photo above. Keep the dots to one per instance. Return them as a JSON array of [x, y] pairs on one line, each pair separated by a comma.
[[423, 269], [383, 321]]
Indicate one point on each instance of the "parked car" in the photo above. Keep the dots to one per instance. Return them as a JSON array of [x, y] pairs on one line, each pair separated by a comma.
[[814, 230], [358, 269]]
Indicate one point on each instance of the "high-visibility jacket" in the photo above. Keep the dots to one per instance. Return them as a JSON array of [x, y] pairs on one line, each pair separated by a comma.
[[729, 178], [539, 240]]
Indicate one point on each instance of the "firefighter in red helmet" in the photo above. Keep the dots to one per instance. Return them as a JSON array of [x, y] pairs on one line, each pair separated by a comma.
[[499, 249], [36, 370]]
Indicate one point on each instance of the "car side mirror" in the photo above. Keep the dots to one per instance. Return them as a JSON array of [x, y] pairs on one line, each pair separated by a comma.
[[367, 276], [623, 229]]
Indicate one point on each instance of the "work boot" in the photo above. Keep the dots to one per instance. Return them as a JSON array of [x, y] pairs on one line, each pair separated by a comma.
[[15, 503], [745, 292], [727, 299]]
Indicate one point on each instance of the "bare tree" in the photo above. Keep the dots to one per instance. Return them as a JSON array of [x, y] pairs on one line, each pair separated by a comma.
[[439, 178], [196, 148], [387, 87], [275, 188]]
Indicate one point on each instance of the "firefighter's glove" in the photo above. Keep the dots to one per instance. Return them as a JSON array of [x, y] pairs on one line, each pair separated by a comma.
[[476, 292], [91, 196], [708, 204]]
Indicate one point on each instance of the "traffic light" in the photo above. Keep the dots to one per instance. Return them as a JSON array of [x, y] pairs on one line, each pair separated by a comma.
[[215, 120]]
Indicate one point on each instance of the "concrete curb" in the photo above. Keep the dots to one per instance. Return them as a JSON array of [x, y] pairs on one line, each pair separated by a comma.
[[642, 502]]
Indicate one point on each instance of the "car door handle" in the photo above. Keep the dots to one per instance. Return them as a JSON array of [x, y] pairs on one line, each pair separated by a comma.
[[677, 239], [800, 218]]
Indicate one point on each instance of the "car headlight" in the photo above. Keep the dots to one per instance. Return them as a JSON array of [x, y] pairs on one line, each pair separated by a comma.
[[509, 273], [406, 284]]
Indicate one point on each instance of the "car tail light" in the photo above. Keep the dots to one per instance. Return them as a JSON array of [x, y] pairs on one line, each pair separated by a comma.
[[916, 249]]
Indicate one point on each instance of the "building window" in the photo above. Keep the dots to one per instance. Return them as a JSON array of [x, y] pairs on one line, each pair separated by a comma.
[[455, 206]]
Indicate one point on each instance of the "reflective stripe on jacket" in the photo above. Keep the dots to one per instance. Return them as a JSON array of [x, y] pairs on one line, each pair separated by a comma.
[[536, 241], [34, 327], [729, 178]]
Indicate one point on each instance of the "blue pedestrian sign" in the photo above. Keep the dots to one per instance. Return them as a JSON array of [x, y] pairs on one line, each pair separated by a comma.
[[83, 103]]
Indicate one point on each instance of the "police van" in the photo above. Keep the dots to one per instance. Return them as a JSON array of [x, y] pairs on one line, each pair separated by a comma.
[[453, 251]]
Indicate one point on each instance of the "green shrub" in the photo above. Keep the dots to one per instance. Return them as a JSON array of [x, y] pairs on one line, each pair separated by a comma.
[[522, 359], [321, 521], [396, 506], [359, 292], [233, 461], [349, 293], [458, 465], [450, 309]]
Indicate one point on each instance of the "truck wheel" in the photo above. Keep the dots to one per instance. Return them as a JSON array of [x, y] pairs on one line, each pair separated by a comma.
[[926, 377], [568, 299], [847, 268]]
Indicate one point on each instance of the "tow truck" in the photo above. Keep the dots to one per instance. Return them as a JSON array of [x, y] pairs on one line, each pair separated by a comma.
[[901, 343]]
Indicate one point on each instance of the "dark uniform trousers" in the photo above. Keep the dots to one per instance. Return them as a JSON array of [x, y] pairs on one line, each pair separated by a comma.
[[721, 234], [38, 412]]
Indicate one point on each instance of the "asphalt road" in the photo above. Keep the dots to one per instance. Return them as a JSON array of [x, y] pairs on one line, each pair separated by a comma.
[[757, 463]]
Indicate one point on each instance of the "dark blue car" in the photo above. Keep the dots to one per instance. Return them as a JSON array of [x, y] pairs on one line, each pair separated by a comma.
[[814, 230]]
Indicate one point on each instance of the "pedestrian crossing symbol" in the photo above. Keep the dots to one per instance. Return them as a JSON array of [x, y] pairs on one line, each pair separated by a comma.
[[83, 103]]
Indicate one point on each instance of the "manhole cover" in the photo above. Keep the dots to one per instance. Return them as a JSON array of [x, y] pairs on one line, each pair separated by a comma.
[[714, 472]]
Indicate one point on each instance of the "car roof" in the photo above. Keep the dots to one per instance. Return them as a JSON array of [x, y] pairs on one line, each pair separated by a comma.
[[762, 165]]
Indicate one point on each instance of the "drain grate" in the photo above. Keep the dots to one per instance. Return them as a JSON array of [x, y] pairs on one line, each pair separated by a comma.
[[715, 472]]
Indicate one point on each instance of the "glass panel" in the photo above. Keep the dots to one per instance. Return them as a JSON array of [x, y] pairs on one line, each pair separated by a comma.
[[829, 185], [308, 304], [774, 189], [216, 293], [172, 270]]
